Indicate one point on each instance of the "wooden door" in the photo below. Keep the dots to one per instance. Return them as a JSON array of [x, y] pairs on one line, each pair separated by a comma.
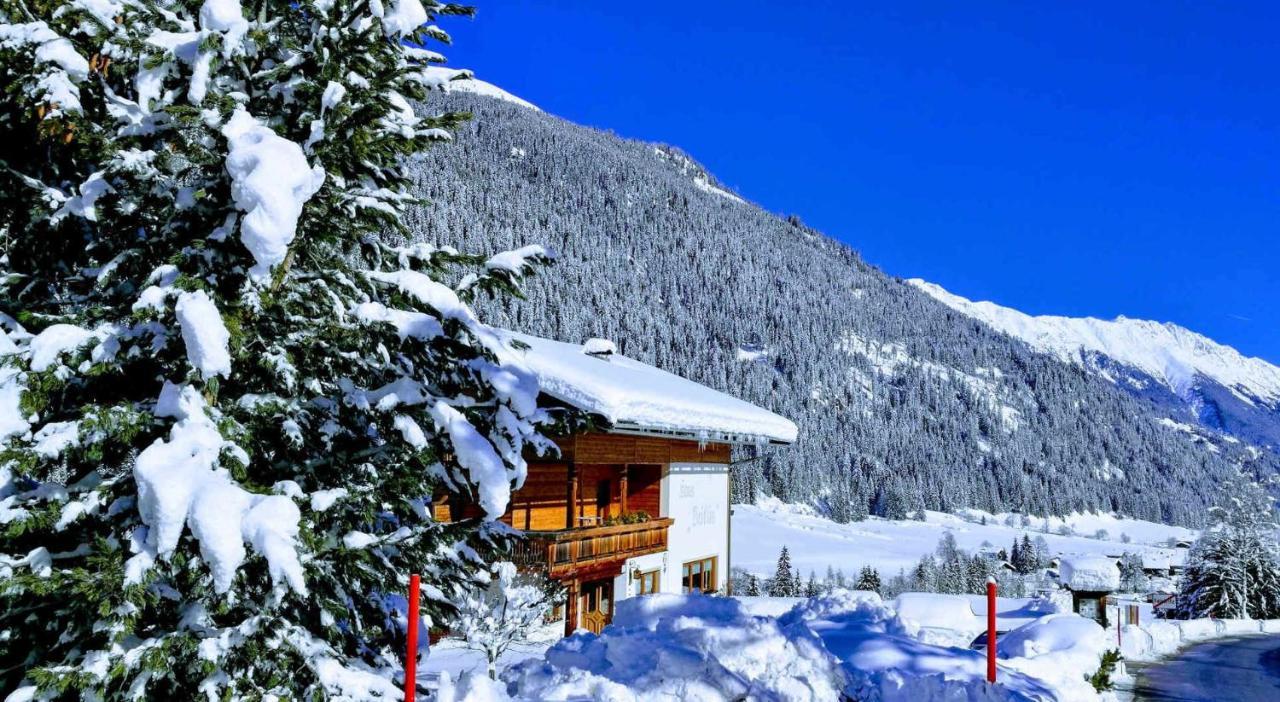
[[597, 605]]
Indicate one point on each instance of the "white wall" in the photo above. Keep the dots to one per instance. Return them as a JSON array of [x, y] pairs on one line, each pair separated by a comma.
[[696, 496], [625, 585]]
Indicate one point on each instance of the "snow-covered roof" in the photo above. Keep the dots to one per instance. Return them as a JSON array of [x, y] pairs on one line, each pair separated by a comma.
[[1089, 573], [637, 397]]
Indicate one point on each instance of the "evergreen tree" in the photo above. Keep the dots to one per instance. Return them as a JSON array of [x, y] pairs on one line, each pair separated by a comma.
[[947, 548], [1030, 558], [1132, 576], [753, 586], [869, 580], [1233, 570], [1042, 552], [226, 397], [811, 588], [782, 585]]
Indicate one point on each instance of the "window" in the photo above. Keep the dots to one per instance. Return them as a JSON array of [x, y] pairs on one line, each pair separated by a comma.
[[649, 583], [698, 576]]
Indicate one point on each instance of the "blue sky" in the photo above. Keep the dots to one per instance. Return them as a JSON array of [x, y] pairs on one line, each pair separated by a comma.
[[1086, 159]]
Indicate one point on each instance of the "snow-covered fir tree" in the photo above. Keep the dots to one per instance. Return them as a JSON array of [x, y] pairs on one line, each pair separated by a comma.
[[225, 397], [1233, 570], [492, 618], [783, 583], [1132, 576], [869, 580], [811, 588]]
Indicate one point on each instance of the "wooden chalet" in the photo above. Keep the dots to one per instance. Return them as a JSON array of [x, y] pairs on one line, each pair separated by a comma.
[[639, 508]]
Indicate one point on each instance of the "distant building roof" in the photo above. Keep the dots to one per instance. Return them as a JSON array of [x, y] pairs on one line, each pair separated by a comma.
[[636, 397]]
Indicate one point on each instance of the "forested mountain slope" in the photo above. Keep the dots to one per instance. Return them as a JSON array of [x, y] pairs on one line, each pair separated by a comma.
[[902, 401]]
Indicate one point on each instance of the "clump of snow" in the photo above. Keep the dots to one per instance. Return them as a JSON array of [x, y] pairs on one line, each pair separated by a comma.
[[270, 182], [1097, 573], [180, 485], [58, 339], [515, 260], [403, 17], [633, 394], [85, 203], [55, 437], [204, 334], [599, 347], [322, 500], [223, 16], [65, 69], [12, 422], [478, 457]]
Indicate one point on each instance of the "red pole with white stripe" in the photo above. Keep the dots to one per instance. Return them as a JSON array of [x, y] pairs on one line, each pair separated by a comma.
[[991, 630], [411, 655]]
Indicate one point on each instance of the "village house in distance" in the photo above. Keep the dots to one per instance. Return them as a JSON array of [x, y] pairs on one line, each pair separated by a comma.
[[642, 506]]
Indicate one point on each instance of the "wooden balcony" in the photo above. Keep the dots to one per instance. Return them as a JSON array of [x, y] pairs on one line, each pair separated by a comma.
[[567, 551]]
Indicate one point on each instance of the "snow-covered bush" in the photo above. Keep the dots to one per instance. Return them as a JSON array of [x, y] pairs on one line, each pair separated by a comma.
[[491, 618], [224, 400]]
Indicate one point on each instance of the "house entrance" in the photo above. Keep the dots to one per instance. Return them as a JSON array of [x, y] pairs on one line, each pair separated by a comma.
[[597, 605]]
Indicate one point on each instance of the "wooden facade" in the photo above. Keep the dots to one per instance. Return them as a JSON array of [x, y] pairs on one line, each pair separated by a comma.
[[581, 512]]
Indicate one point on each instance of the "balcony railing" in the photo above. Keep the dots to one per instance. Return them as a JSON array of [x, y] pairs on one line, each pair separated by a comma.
[[560, 552]]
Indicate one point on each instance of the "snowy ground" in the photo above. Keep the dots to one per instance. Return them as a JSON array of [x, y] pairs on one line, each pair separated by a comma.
[[760, 531], [451, 655], [666, 647]]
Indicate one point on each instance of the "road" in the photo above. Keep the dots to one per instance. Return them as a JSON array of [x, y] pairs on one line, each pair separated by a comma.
[[1231, 670]]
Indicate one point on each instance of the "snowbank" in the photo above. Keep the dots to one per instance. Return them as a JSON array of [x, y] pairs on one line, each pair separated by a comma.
[[1056, 650], [665, 647], [883, 660], [1162, 637], [840, 645], [1089, 573], [938, 619]]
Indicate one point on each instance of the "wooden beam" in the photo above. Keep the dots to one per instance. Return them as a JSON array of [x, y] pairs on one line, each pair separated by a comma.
[[571, 508], [571, 607], [622, 488]]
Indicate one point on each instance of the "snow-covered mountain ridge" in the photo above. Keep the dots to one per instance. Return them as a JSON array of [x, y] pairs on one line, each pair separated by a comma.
[[1163, 350], [1187, 363]]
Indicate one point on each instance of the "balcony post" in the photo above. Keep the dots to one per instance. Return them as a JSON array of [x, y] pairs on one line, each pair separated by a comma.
[[622, 488], [570, 606], [572, 506]]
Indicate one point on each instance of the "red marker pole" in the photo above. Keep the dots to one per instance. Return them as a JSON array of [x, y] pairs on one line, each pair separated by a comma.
[[411, 655], [991, 630]]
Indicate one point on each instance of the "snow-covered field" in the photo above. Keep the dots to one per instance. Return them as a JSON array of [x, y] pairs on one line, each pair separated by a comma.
[[760, 531]]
